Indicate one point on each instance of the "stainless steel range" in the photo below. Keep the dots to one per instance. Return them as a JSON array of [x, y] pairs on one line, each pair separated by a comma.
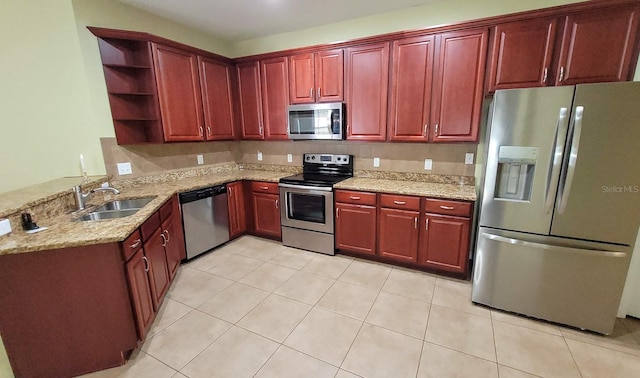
[[307, 198]]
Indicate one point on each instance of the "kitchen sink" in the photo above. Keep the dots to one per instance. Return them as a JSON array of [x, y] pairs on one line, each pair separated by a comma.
[[136, 203], [107, 214]]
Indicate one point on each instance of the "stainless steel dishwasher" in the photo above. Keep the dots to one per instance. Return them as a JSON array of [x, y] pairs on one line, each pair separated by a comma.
[[205, 219]]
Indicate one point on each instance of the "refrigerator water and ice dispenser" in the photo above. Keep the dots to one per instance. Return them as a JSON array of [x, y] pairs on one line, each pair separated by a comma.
[[516, 166]]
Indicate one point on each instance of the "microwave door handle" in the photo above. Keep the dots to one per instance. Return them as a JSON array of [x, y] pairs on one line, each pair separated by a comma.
[[553, 176], [572, 158]]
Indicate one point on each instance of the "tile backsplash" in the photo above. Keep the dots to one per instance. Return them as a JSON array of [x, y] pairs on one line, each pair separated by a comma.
[[448, 159]]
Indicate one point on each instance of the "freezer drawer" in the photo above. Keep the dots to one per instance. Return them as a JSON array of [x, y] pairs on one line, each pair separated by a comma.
[[569, 282]]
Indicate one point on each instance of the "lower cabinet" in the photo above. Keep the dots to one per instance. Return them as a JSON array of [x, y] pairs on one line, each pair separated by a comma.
[[237, 217], [158, 274], [420, 232], [138, 276], [266, 209]]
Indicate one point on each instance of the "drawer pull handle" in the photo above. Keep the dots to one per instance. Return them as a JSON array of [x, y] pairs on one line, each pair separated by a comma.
[[338, 213], [136, 244], [426, 224], [264, 187], [164, 239], [277, 204], [447, 207], [400, 202], [354, 198], [415, 223]]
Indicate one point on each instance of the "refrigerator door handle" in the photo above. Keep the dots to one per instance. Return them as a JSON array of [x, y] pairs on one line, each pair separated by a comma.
[[573, 157], [553, 176], [591, 252]]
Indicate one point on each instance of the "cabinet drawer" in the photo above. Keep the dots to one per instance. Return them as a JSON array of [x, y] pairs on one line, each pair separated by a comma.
[[395, 201], [166, 210], [150, 226], [131, 244], [359, 198], [264, 187], [463, 209]]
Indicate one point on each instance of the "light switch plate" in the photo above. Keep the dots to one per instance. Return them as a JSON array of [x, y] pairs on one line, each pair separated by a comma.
[[289, 158], [5, 227], [200, 159], [468, 158], [124, 169], [428, 164], [376, 162], [259, 156]]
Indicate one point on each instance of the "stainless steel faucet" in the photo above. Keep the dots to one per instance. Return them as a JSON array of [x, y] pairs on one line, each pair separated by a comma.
[[82, 197]]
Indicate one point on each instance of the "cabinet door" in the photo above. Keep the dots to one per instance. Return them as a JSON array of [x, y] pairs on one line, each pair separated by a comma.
[[444, 243], [237, 221], [411, 82], [174, 250], [598, 46], [459, 86], [399, 234], [329, 76], [367, 87], [140, 291], [356, 228], [158, 274], [275, 97], [266, 213], [301, 80], [521, 54], [215, 84], [179, 94], [250, 104]]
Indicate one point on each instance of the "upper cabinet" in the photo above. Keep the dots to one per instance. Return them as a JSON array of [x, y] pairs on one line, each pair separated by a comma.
[[437, 87], [216, 82], [458, 86], [598, 46], [522, 54], [316, 77], [275, 97], [179, 94], [367, 77], [250, 106], [588, 47]]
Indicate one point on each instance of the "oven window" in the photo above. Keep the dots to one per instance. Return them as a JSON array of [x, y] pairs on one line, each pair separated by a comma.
[[306, 207]]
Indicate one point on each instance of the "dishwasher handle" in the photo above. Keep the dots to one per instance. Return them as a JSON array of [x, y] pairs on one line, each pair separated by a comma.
[[199, 194]]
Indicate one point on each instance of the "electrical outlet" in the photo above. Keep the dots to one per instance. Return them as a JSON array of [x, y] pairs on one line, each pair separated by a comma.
[[428, 164], [5, 227], [200, 159], [124, 169], [376, 162], [289, 158], [468, 158], [259, 156]]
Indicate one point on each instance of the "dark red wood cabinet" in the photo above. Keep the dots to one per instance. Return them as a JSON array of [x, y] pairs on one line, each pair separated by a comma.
[[398, 227], [598, 46], [367, 79], [275, 97], [237, 217], [266, 209], [173, 235], [250, 102], [356, 221], [411, 84], [444, 243], [458, 86], [316, 77], [522, 54], [179, 94], [216, 83], [140, 290]]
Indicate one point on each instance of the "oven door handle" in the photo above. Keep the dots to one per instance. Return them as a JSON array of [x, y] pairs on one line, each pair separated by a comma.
[[305, 187]]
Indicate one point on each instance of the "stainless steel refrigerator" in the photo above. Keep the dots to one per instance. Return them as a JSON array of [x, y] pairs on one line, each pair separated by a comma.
[[560, 205]]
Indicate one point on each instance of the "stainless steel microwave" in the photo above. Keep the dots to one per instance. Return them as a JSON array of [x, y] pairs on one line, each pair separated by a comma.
[[316, 121]]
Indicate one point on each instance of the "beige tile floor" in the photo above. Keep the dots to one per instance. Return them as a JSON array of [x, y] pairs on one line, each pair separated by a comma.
[[254, 308]]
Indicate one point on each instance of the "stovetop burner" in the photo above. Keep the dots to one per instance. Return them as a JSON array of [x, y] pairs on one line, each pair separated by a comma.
[[322, 170]]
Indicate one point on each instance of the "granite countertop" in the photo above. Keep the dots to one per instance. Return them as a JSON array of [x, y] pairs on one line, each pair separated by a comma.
[[64, 231], [415, 188]]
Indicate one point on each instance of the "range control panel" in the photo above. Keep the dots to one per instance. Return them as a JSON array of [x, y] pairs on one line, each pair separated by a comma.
[[326, 159]]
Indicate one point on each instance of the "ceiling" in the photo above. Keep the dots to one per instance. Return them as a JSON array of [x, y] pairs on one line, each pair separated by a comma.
[[237, 20]]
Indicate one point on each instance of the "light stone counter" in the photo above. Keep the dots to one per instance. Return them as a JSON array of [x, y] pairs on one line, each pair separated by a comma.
[[64, 231], [414, 188]]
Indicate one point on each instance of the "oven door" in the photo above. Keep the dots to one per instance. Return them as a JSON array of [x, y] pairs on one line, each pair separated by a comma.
[[307, 207]]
